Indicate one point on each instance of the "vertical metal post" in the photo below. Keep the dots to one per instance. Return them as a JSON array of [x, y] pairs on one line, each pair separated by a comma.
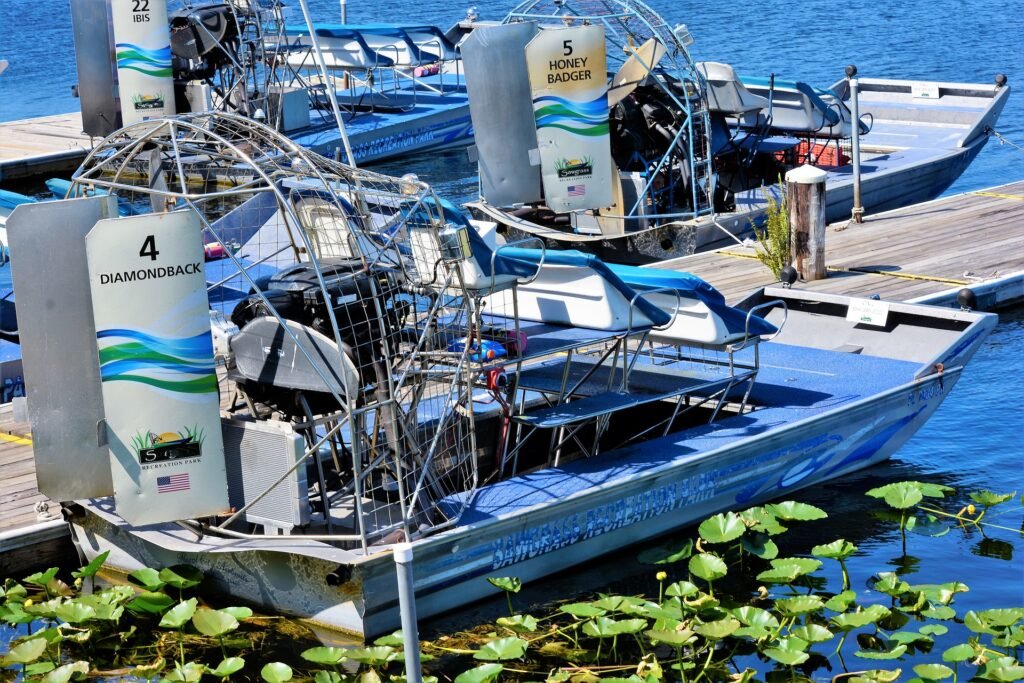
[[407, 609], [858, 210], [344, 12], [328, 82]]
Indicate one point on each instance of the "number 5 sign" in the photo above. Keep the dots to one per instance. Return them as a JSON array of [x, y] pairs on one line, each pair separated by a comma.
[[159, 386]]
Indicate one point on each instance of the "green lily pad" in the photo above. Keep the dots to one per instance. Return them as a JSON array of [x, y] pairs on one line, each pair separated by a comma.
[[717, 630], [583, 610], [755, 616], [675, 638], [276, 672], [151, 603], [520, 623], [239, 613], [759, 519], [975, 622], [933, 672], [682, 589], [600, 627], [213, 623], [39, 668], [42, 578], [63, 674], [151, 670], [666, 554], [147, 578], [627, 626], [802, 604], [781, 575], [793, 511], [179, 615], [1002, 618], [900, 495], [75, 612], [180, 576], [708, 567], [942, 612], [989, 499], [721, 528], [323, 676], [934, 630], [26, 651], [789, 651], [839, 549], [877, 676], [372, 656], [502, 649], [891, 584], [227, 667], [760, 545], [841, 601], [393, 639], [893, 653], [324, 655], [909, 638], [1002, 669], [90, 569], [509, 584], [191, 672], [481, 674], [812, 633]]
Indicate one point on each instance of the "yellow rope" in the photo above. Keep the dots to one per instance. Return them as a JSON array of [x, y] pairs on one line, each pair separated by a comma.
[[15, 438], [1000, 196], [737, 254], [905, 276]]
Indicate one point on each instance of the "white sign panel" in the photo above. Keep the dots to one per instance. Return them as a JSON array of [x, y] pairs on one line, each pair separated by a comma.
[[142, 42], [868, 312], [569, 83], [157, 372]]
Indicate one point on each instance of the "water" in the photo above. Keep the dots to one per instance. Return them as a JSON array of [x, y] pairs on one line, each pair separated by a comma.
[[972, 442]]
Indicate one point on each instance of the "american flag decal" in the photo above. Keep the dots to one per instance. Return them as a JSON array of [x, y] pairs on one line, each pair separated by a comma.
[[172, 483], [577, 190]]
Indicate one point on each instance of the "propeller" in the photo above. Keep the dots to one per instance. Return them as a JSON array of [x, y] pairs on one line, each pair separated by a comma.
[[635, 70]]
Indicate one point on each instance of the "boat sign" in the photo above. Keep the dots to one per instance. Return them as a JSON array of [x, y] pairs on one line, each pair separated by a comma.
[[143, 50], [868, 312], [159, 386], [568, 81]]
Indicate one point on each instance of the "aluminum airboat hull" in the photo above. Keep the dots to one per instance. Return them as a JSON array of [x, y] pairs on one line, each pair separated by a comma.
[[758, 457]]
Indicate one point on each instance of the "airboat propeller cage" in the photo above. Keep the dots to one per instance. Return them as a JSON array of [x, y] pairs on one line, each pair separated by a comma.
[[562, 52]]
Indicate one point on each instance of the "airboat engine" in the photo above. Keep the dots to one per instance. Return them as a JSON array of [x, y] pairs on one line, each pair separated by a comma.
[[269, 364], [201, 42]]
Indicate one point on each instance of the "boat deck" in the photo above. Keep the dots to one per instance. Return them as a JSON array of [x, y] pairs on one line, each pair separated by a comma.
[[925, 253]]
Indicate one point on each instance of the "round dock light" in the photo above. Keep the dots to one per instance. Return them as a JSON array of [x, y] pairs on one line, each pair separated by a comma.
[[967, 299]]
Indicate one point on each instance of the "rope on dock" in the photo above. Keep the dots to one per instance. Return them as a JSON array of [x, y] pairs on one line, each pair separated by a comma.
[[16, 439], [1000, 196], [905, 276], [1003, 140]]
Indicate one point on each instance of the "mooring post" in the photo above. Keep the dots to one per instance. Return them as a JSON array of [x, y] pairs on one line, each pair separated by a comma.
[[858, 209], [407, 608], [805, 194]]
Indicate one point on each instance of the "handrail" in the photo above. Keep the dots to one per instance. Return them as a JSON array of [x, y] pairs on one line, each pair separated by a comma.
[[654, 290], [540, 263], [746, 325]]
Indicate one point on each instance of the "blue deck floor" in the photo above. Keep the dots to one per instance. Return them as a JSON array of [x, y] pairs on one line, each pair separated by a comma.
[[793, 383]]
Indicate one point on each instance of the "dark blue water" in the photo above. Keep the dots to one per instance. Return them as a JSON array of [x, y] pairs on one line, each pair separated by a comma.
[[974, 440]]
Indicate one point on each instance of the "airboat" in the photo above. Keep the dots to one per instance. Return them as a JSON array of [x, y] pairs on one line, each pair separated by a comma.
[[361, 366], [660, 155]]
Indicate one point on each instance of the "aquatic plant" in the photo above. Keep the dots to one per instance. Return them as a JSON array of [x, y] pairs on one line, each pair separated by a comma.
[[773, 248], [735, 604]]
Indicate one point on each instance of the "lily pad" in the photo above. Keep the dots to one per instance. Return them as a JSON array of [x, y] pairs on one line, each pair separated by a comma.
[[812, 633], [675, 638], [63, 674], [682, 589], [942, 612], [212, 622], [393, 639], [520, 623], [481, 674], [802, 604], [708, 567], [509, 584], [789, 651], [75, 612], [760, 520], [239, 613], [147, 578], [227, 667], [151, 670], [276, 672], [989, 499], [90, 569], [839, 549], [181, 576], [755, 616], [179, 615], [584, 610], [1002, 670], [501, 650], [793, 511], [26, 651], [717, 630], [721, 528], [933, 672], [841, 602], [191, 672], [151, 603], [666, 554], [600, 627], [372, 656], [760, 545], [892, 653], [42, 578], [900, 495], [324, 655]]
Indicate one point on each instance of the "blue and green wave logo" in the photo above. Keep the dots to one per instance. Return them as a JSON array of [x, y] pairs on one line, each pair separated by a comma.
[[149, 62], [179, 365], [579, 118]]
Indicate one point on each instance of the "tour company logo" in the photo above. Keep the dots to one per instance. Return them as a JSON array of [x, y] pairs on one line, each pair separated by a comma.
[[167, 448], [575, 168], [147, 102]]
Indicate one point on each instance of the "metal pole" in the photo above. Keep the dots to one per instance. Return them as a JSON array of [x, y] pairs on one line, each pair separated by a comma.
[[858, 210], [407, 609], [344, 12], [328, 85]]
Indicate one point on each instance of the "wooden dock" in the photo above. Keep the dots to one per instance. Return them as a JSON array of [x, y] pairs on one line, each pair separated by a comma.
[[923, 253], [38, 146]]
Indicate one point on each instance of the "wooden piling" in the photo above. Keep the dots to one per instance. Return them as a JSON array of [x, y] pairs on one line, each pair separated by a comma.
[[805, 194]]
